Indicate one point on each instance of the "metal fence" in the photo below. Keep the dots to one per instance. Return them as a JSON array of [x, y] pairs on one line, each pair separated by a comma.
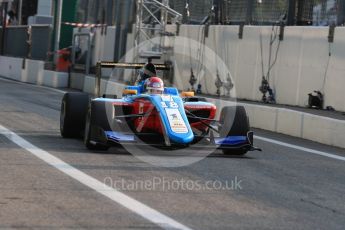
[[233, 11], [27, 42], [328, 12], [298, 12], [198, 9], [269, 11], [257, 12]]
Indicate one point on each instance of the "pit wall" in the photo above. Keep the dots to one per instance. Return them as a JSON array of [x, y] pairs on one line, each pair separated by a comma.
[[303, 63], [31, 71]]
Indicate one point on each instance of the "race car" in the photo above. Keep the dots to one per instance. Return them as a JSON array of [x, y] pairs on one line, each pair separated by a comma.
[[150, 114]]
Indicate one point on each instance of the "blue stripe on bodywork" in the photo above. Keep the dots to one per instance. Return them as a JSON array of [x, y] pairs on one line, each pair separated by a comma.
[[119, 137], [180, 138], [231, 140], [171, 91]]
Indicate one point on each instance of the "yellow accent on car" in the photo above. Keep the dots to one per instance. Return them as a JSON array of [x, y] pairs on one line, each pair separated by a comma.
[[187, 94], [130, 92]]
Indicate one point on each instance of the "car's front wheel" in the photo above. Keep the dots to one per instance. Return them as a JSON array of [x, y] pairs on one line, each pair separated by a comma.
[[72, 114], [234, 122], [87, 136]]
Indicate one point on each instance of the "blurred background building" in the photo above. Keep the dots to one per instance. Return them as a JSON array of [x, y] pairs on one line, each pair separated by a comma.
[[257, 12], [123, 13]]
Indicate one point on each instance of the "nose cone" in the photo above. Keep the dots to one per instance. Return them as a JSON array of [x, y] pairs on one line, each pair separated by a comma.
[[178, 128], [174, 118]]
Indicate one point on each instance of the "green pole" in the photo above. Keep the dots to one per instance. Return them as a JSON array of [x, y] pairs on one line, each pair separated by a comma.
[[69, 9]]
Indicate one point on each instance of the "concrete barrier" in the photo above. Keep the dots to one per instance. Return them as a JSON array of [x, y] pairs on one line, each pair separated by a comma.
[[31, 71], [324, 130], [11, 67], [77, 81], [298, 124], [54, 79], [89, 85], [262, 117], [289, 122]]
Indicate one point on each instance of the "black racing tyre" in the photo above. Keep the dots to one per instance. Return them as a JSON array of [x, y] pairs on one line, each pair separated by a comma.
[[234, 122], [195, 99], [235, 152], [72, 115], [96, 121]]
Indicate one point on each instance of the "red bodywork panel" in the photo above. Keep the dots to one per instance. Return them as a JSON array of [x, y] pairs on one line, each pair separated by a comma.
[[152, 123], [204, 111]]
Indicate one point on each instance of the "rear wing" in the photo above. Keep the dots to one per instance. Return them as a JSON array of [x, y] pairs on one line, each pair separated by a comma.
[[124, 65]]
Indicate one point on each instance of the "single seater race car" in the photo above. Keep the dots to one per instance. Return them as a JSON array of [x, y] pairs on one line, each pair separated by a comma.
[[164, 120]]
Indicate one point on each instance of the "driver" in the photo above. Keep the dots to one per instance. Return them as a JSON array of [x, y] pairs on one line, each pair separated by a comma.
[[154, 85]]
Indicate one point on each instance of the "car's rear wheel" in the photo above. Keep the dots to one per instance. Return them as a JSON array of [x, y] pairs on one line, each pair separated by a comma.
[[234, 122], [195, 99], [72, 115]]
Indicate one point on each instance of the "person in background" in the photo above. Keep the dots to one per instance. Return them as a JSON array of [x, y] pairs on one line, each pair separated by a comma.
[[149, 70], [12, 18]]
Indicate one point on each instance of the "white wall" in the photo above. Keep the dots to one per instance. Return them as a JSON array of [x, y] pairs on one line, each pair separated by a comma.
[[300, 68], [11, 67], [335, 81], [31, 71], [301, 65]]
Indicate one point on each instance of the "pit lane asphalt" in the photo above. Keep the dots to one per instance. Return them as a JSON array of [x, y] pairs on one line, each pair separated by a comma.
[[281, 188]]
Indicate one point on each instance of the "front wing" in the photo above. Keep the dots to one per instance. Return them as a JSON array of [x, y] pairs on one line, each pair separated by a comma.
[[112, 138]]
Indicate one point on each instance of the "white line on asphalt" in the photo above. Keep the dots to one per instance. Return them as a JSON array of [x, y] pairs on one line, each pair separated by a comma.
[[313, 151], [135, 206]]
